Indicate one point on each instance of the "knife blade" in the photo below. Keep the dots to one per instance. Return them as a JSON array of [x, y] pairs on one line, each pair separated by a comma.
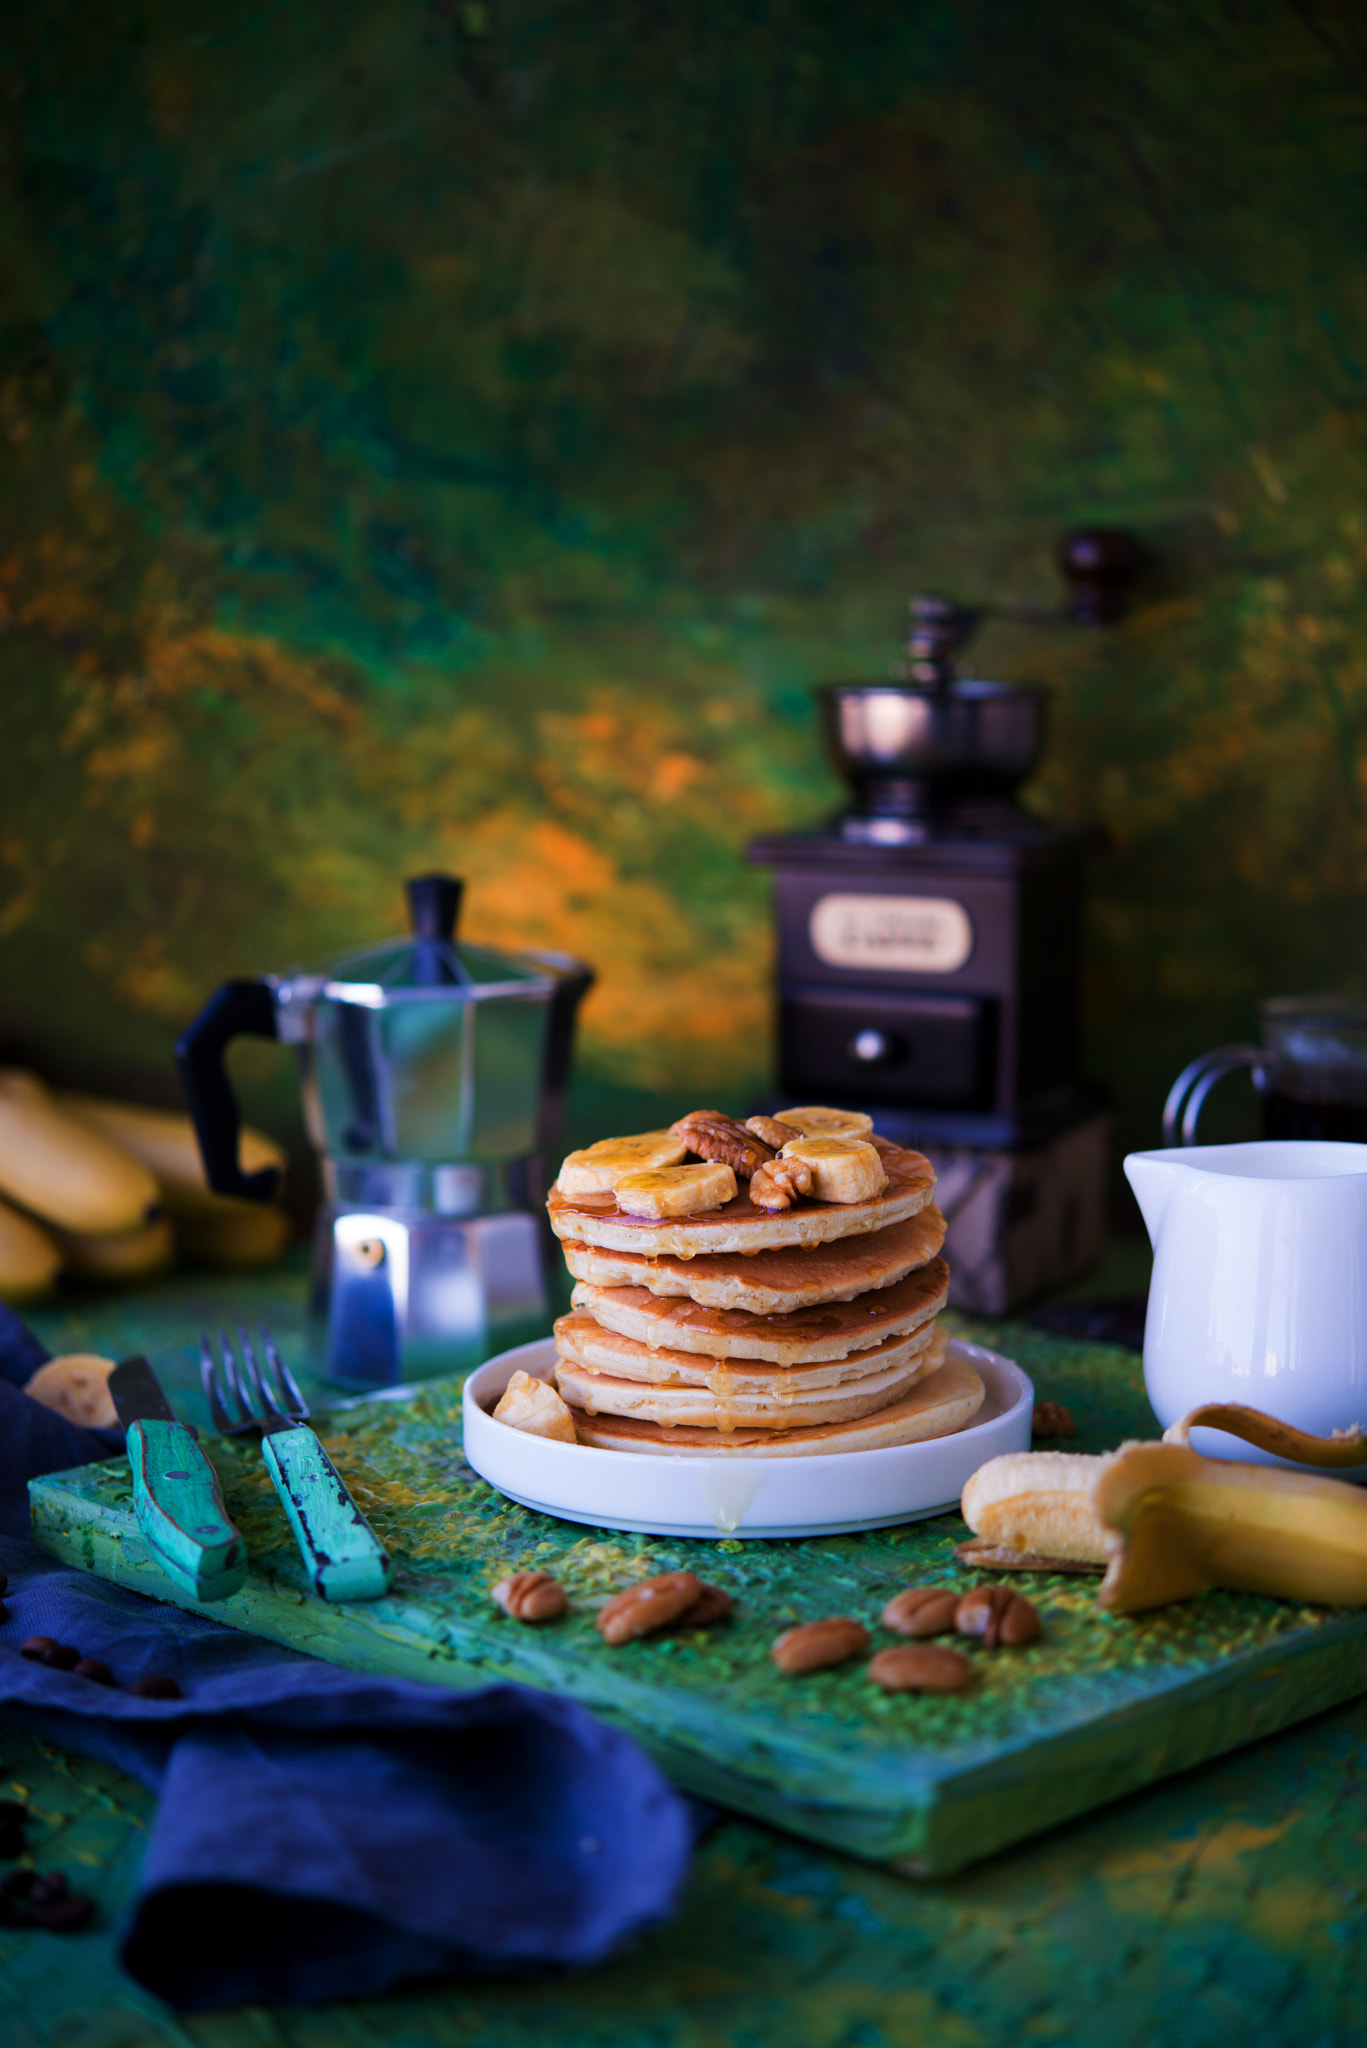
[[176, 1494]]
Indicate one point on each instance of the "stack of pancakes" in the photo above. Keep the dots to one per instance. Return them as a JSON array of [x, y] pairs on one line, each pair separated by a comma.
[[811, 1329]]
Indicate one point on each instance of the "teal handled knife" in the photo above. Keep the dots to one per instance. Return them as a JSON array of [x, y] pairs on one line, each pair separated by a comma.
[[176, 1494]]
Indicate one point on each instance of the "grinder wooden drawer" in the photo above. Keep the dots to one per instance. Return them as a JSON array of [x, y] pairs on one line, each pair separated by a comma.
[[934, 1050]]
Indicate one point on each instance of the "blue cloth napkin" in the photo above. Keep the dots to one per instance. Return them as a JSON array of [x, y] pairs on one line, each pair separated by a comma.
[[323, 1834]]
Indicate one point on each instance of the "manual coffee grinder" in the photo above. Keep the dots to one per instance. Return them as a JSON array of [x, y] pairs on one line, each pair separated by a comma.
[[434, 1074], [928, 947]]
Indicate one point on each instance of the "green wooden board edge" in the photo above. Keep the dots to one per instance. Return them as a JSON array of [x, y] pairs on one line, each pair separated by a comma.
[[1101, 1708]]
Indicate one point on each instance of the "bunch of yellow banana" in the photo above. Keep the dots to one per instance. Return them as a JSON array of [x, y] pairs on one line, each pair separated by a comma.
[[110, 1192], [1167, 1524]]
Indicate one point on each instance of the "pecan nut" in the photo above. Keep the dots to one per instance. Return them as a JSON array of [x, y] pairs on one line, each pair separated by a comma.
[[711, 1135], [998, 1616], [773, 1133], [531, 1596], [651, 1605], [922, 1611], [819, 1643], [920, 1667], [1051, 1418], [711, 1606], [775, 1185]]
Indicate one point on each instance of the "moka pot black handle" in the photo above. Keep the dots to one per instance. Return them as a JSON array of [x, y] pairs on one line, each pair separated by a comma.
[[239, 1009]]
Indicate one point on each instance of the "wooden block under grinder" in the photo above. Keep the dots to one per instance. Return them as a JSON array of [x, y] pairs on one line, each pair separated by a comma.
[[1021, 1222]]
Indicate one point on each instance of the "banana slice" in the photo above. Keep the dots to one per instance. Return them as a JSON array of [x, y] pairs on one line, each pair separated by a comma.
[[598, 1168], [76, 1385], [828, 1123], [843, 1169], [678, 1190]]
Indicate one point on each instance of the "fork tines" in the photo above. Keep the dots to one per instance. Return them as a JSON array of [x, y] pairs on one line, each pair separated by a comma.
[[257, 1395]]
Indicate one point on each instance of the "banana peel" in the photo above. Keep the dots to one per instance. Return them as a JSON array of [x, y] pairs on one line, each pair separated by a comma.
[[1169, 1524], [1182, 1524]]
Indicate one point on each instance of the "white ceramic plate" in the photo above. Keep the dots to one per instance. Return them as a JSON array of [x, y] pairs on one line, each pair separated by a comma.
[[671, 1494]]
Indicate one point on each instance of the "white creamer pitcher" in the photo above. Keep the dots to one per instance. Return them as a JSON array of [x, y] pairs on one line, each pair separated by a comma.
[[1259, 1290]]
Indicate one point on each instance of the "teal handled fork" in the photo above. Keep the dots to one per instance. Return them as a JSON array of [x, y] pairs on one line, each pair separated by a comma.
[[345, 1558]]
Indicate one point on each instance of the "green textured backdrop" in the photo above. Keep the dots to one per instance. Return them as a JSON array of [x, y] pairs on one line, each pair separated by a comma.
[[461, 433]]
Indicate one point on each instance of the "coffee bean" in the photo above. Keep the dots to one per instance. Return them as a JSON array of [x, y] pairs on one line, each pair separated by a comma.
[[31, 1898], [35, 1646], [4, 1612], [156, 1687], [95, 1669], [61, 1657], [64, 1916]]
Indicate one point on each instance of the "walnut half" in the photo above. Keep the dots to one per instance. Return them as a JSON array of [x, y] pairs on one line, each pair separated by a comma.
[[710, 1135]]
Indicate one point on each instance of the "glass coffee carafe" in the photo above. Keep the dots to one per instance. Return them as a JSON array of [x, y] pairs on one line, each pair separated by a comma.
[[1310, 1072]]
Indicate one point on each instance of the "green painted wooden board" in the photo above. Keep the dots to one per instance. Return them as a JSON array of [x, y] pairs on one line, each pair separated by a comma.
[[1100, 1707]]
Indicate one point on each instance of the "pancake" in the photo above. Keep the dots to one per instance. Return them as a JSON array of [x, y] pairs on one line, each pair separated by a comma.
[[583, 1342], [739, 1226], [781, 1404], [800, 1337], [938, 1405], [769, 1283]]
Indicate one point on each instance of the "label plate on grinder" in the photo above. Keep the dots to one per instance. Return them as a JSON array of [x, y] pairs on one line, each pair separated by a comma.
[[902, 934]]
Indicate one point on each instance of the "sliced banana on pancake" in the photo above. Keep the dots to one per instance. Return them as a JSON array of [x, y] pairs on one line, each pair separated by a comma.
[[598, 1168], [828, 1123], [843, 1169], [676, 1190]]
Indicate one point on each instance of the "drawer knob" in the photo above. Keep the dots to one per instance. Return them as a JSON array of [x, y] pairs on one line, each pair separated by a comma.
[[869, 1046]]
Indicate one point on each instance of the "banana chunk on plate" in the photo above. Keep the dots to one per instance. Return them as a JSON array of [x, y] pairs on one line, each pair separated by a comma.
[[598, 1168], [677, 1190], [843, 1169], [536, 1409]]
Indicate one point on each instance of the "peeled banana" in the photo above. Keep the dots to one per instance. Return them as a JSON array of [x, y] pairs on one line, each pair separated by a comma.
[[676, 1190], [167, 1146], [29, 1259], [843, 1169], [598, 1168], [1038, 1503], [63, 1171], [828, 1123]]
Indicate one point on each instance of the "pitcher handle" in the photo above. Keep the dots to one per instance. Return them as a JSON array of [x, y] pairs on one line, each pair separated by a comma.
[[238, 1009], [1195, 1082]]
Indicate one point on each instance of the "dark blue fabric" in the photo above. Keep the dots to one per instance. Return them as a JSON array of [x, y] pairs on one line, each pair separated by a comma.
[[21, 1353], [323, 1834]]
